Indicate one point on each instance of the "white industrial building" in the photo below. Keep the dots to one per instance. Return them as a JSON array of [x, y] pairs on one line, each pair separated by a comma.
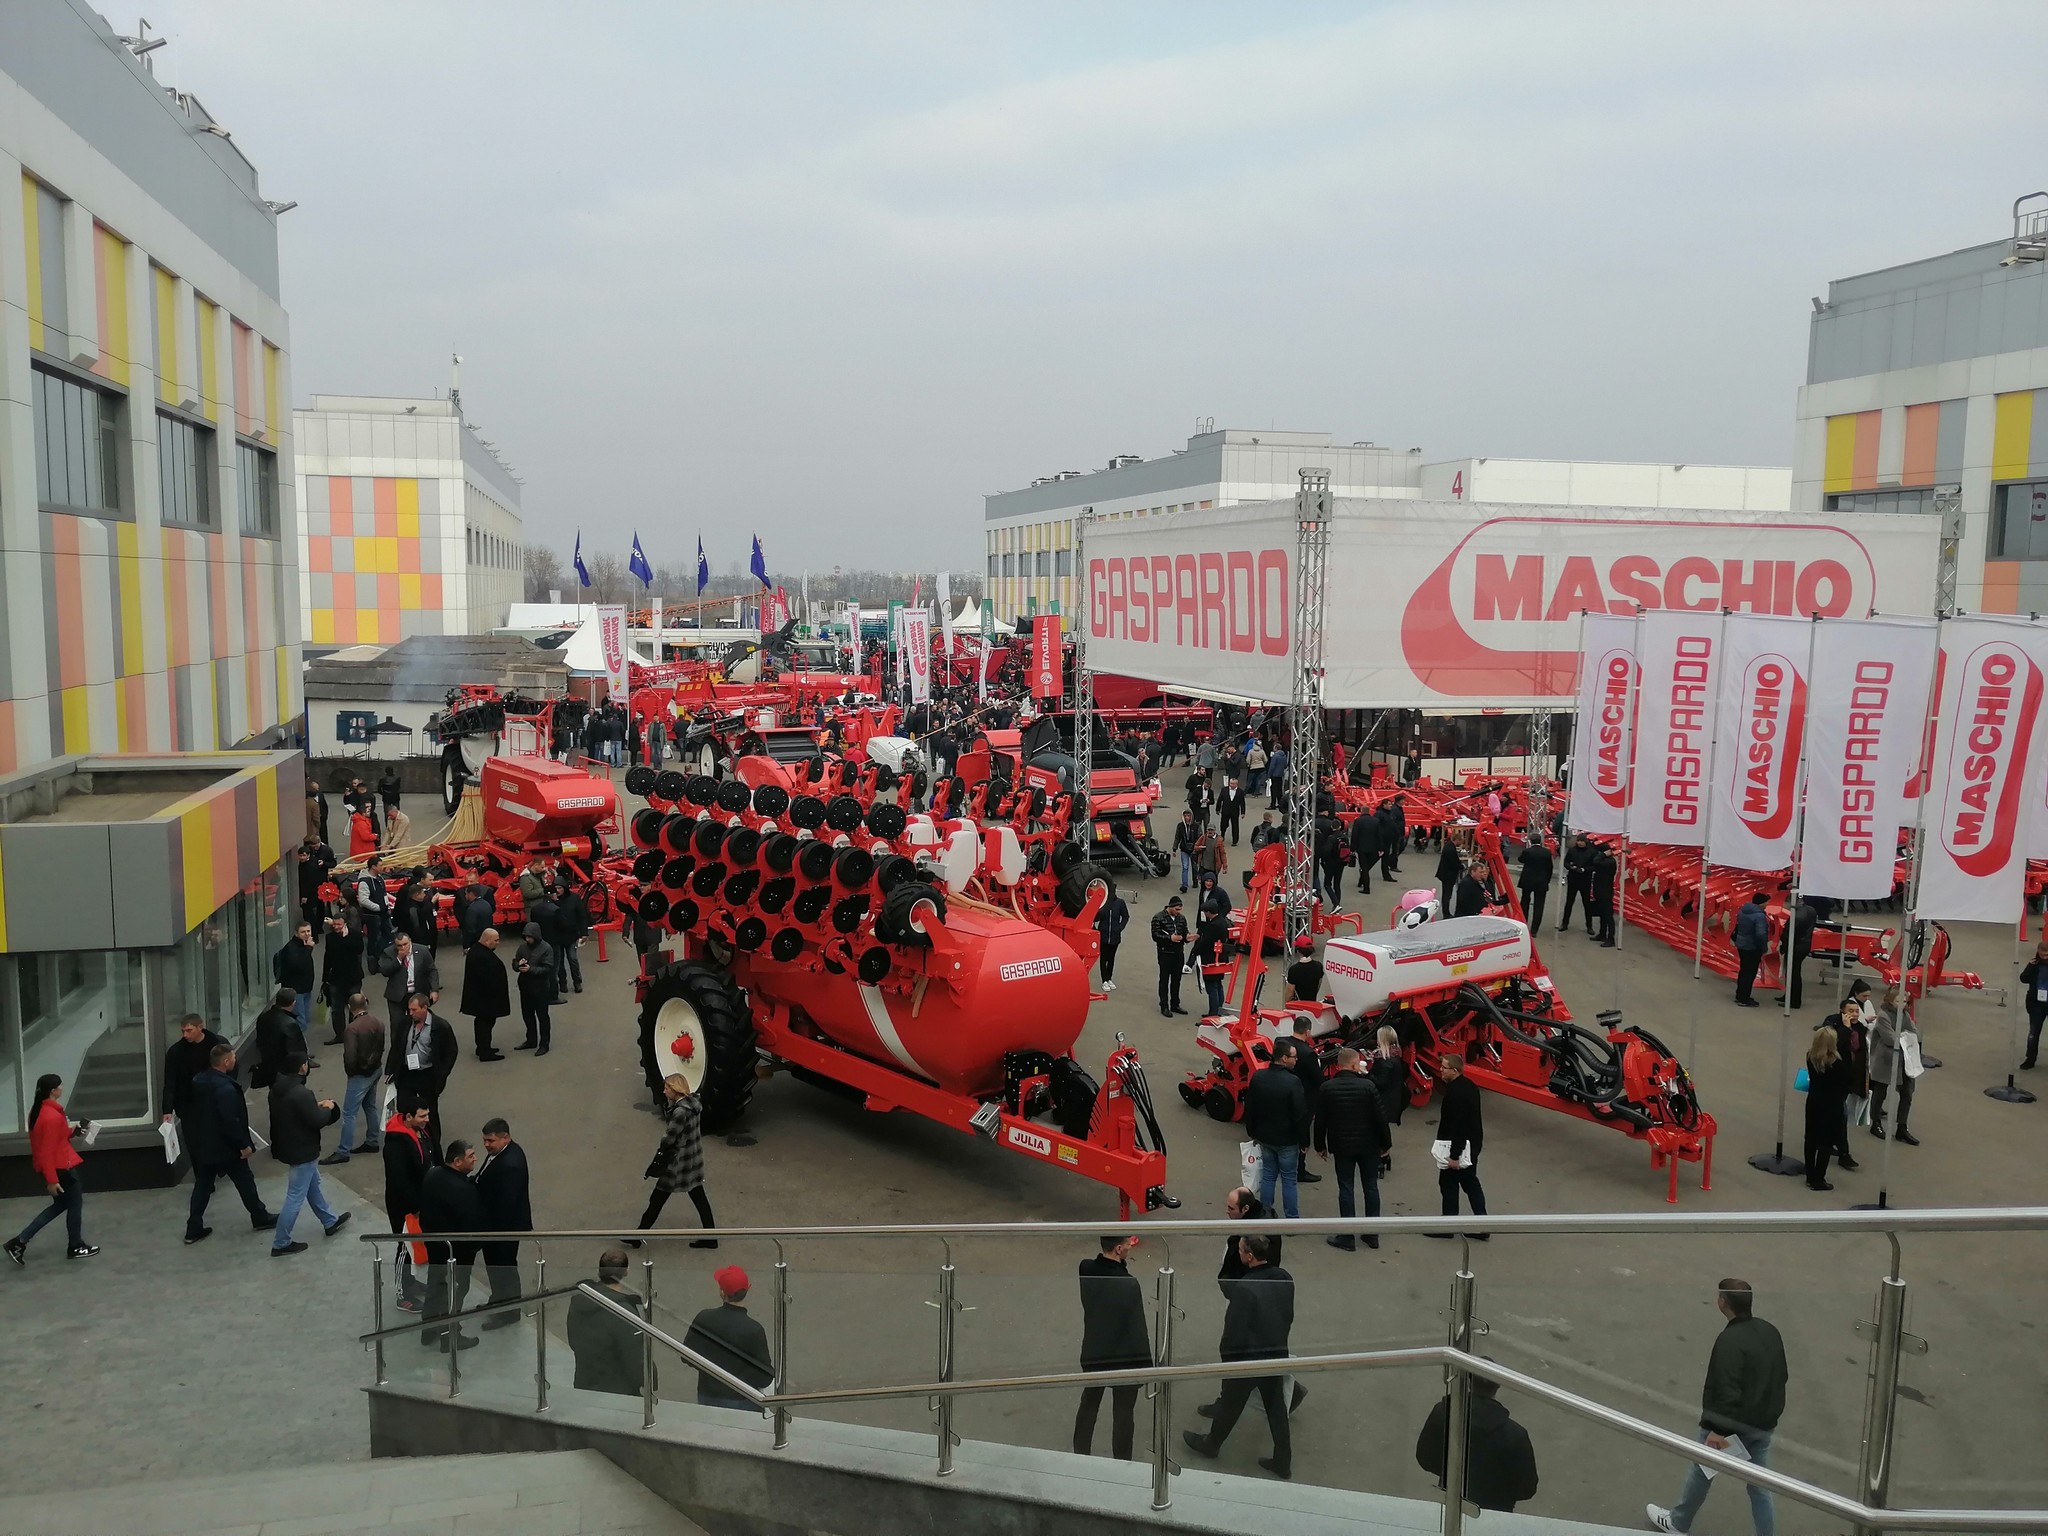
[[411, 524], [1028, 535]]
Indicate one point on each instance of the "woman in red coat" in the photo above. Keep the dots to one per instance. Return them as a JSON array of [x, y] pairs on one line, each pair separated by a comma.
[[362, 835], [49, 1147]]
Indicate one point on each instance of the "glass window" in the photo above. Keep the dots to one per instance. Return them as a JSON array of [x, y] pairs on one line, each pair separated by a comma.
[[196, 980], [77, 437], [256, 489], [1063, 563], [80, 1015], [2019, 524], [184, 455]]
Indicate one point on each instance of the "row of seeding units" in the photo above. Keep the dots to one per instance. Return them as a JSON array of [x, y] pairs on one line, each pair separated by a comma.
[[1473, 987], [1433, 807], [806, 922]]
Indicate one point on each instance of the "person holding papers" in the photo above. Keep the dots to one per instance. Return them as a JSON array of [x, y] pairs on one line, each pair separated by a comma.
[[1460, 1131]]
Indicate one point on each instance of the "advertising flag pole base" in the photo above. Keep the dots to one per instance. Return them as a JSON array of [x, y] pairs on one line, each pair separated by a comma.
[[1777, 1162], [1882, 1203], [2009, 1092]]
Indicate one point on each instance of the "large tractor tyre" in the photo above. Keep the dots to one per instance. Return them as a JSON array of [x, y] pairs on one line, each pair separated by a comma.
[[700, 1003], [453, 776], [1072, 893]]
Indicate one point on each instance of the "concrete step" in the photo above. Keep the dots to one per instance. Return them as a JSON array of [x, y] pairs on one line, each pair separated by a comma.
[[554, 1493]]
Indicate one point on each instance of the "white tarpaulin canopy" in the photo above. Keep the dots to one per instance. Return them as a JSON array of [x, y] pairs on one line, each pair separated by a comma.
[[585, 651], [1443, 605]]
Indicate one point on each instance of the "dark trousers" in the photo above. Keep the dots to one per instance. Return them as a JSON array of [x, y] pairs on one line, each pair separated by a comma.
[[1575, 891], [1227, 823], [533, 1009], [1532, 906], [1333, 883], [1746, 963], [501, 1264], [1390, 864], [1108, 961], [1821, 1136], [1169, 978], [1365, 875], [1230, 1403], [1606, 916], [1795, 976], [1450, 889], [2034, 1022], [659, 1198], [483, 1024], [1877, 1098], [409, 1282], [1367, 1171], [448, 1274], [1214, 986], [204, 1177], [1123, 1419], [1450, 1180], [68, 1202]]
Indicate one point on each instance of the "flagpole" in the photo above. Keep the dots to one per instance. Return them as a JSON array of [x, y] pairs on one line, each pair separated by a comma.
[[1788, 956], [1628, 801]]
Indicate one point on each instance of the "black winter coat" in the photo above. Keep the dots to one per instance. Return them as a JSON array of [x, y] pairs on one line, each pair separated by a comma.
[[1500, 1464], [292, 965], [1460, 1122], [1113, 1332], [1350, 1119], [1469, 899], [1365, 837], [502, 1183], [183, 1062], [278, 1035], [406, 1161], [1260, 1315], [486, 991], [341, 966], [1276, 1109], [1538, 869], [609, 1354], [449, 1202], [296, 1121], [1233, 1262], [1448, 865], [215, 1121]]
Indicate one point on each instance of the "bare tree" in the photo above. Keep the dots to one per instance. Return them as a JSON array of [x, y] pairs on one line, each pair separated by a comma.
[[609, 582], [543, 573]]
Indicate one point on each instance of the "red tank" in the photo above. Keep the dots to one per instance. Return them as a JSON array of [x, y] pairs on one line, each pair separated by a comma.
[[1022, 989], [533, 802]]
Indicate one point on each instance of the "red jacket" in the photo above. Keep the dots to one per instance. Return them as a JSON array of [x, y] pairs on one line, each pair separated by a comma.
[[49, 1142]]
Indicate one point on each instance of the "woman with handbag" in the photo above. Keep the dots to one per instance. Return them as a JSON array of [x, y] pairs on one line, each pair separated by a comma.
[[1827, 1090], [678, 1163], [1894, 1058], [1852, 1039]]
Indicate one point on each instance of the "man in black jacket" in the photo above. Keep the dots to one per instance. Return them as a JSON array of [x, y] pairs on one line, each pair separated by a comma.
[[423, 1054], [1743, 1400], [1230, 810], [296, 1121], [407, 1158], [1212, 953], [730, 1339], [478, 913], [341, 971], [508, 1207], [486, 993], [1500, 1464], [449, 1202], [1240, 1205], [1276, 1117], [1449, 866], [610, 1354], [215, 1122], [1308, 1066], [1600, 895], [407, 970], [1469, 899], [1170, 938], [1578, 883], [1113, 1338], [1538, 870], [292, 966], [1256, 1326], [1365, 847], [278, 1039], [316, 863], [189, 1055], [1460, 1123], [1351, 1125], [1393, 820]]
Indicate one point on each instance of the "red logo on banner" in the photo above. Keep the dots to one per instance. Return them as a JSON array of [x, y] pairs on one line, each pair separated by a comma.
[[1455, 632], [1045, 656], [1614, 726], [1770, 724], [1996, 709]]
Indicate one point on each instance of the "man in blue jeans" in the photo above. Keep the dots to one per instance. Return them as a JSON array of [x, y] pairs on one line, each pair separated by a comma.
[[296, 1121], [1741, 1403], [1276, 1117]]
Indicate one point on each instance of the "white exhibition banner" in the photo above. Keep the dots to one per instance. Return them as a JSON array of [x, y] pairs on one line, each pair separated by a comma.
[[946, 613], [917, 653], [1450, 604], [1760, 738], [1871, 703], [1985, 788], [611, 637], [1603, 747], [1679, 652]]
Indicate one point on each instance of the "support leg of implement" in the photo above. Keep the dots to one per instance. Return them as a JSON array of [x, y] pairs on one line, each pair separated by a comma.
[[1305, 715]]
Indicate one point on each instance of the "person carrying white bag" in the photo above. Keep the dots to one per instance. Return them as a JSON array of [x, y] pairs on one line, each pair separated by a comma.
[[1894, 1059]]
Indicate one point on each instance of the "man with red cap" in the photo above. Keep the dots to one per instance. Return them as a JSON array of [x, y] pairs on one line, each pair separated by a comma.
[[1305, 975], [727, 1337]]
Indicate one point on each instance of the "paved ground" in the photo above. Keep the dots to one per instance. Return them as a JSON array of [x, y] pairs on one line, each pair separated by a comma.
[[205, 1370], [1623, 1321]]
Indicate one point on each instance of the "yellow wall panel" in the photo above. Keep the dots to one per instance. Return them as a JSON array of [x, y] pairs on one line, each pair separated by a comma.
[[2011, 435], [209, 361], [195, 839], [1840, 470], [32, 228], [166, 315], [113, 276], [270, 413]]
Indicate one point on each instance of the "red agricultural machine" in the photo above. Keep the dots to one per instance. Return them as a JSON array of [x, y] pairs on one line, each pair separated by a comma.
[[1471, 987], [938, 965], [1120, 808], [480, 723]]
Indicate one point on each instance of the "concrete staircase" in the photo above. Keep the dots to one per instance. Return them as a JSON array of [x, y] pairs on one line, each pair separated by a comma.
[[555, 1493]]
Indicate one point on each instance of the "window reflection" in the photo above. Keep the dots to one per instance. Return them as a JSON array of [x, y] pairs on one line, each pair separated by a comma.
[[78, 1014]]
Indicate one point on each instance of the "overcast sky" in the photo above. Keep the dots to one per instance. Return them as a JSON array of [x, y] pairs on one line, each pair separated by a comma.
[[830, 273]]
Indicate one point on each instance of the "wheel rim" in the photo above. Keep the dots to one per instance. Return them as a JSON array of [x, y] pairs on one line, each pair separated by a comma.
[[676, 1022], [451, 785]]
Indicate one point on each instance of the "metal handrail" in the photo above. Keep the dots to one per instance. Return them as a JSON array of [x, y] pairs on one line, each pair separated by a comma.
[[450, 1319], [1442, 1355], [2031, 1218]]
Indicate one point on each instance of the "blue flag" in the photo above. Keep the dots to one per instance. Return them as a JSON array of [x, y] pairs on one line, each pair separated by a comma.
[[582, 570], [760, 565], [638, 565], [703, 567]]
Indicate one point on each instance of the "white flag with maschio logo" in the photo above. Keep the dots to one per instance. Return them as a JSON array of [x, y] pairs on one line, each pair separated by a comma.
[[1603, 742], [1871, 682], [1985, 787], [1681, 657], [1760, 734]]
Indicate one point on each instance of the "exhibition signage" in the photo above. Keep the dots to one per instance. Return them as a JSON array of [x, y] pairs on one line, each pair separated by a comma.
[[1755, 787], [1436, 604], [917, 653], [1045, 657], [1603, 751], [1679, 655], [611, 637]]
